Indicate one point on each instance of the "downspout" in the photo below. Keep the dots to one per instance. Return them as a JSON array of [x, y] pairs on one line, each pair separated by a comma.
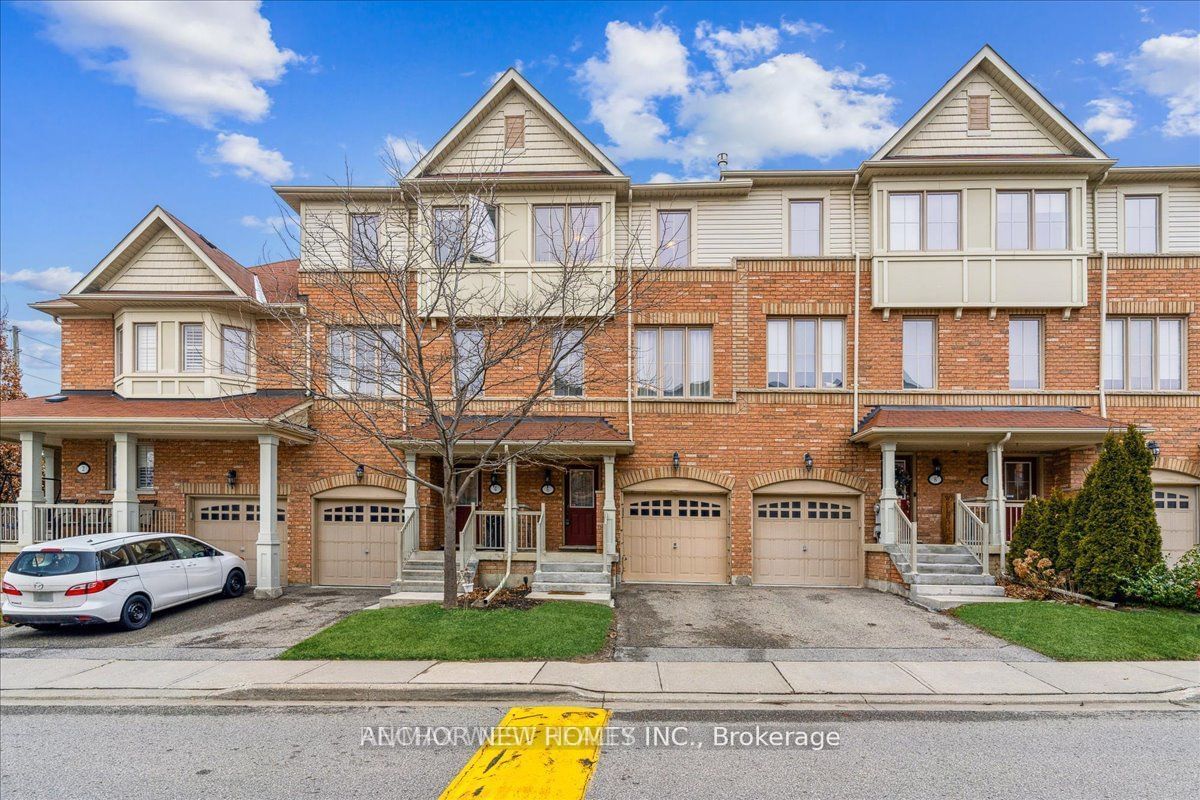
[[1002, 517], [857, 290], [308, 376], [510, 535], [629, 314], [1103, 328]]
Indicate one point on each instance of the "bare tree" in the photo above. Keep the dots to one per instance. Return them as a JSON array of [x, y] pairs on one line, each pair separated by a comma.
[[417, 319]]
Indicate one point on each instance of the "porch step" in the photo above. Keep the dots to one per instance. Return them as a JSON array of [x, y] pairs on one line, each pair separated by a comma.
[[948, 579], [594, 578], [946, 558], [548, 587], [950, 569], [965, 590], [599, 567], [574, 576], [941, 602]]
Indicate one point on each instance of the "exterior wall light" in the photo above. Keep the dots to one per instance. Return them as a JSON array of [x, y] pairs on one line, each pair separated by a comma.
[[494, 486], [675, 461], [548, 483], [231, 478], [359, 472], [935, 477], [808, 461], [1154, 448]]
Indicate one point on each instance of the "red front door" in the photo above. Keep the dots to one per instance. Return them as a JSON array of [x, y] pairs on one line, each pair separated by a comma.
[[581, 508], [463, 511]]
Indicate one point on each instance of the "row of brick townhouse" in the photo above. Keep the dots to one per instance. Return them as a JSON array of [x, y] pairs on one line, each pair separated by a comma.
[[853, 365]]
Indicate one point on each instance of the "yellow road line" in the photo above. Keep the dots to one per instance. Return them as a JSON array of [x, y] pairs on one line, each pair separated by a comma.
[[535, 752]]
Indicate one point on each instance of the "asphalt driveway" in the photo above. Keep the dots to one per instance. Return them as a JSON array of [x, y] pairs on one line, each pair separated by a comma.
[[217, 628], [737, 623]]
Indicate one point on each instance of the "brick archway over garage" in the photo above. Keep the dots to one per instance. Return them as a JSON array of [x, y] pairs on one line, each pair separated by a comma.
[[718, 479], [799, 474], [1182, 465], [349, 479]]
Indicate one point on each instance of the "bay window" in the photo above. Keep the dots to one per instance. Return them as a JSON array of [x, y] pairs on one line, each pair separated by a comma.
[[805, 353], [674, 362], [118, 350], [470, 233], [1012, 220], [567, 234], [1050, 220], [145, 339], [939, 212], [1143, 354], [235, 350], [191, 347]]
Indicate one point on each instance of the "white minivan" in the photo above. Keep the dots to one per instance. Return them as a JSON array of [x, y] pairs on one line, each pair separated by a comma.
[[121, 578]]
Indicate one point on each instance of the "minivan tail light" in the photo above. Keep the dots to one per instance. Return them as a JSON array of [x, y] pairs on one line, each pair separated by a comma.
[[10, 589], [91, 587]]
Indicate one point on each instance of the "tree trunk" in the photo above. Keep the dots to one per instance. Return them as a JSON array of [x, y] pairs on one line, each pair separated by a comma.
[[450, 535]]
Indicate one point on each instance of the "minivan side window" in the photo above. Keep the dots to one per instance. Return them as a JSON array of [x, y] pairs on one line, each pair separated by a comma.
[[151, 551], [188, 548], [113, 557]]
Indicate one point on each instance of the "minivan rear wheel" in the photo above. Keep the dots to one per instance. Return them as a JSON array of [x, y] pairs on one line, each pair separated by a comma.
[[136, 613], [235, 583]]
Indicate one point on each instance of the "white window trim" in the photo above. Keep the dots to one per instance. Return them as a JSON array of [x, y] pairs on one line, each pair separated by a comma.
[[1041, 329], [1154, 355], [183, 370], [791, 355], [1163, 193], [350, 227], [605, 244], [821, 197], [690, 208], [687, 361], [354, 374], [119, 346], [923, 220], [157, 348], [936, 371], [581, 351], [249, 352], [1031, 245]]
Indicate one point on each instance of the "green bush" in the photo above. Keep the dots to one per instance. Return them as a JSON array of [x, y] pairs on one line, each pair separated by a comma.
[[1177, 587], [1113, 532], [1028, 530], [1041, 526]]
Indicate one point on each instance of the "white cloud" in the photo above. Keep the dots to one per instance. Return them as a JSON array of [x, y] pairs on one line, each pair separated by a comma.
[[197, 60], [663, 177], [800, 27], [250, 159], [51, 279], [400, 153], [1113, 119], [1168, 67], [42, 327], [762, 102], [272, 225], [1104, 58], [1144, 13]]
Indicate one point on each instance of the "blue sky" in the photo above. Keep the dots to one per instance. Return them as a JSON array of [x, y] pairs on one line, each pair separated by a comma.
[[107, 109]]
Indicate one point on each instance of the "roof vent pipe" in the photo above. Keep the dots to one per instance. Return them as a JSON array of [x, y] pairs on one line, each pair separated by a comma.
[[722, 161]]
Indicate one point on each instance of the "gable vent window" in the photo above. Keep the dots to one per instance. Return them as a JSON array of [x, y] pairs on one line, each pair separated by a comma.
[[978, 113], [514, 132]]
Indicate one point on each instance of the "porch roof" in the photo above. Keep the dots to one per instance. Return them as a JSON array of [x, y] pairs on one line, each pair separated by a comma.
[[967, 427], [80, 413], [566, 434]]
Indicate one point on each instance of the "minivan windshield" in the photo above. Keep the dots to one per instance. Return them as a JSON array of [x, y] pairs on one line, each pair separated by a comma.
[[44, 563]]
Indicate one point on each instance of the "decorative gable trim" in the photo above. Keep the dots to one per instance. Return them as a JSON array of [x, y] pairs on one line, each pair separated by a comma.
[[510, 80], [1028, 94]]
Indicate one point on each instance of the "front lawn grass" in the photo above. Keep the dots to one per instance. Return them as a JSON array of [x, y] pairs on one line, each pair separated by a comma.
[[553, 630], [1085, 633]]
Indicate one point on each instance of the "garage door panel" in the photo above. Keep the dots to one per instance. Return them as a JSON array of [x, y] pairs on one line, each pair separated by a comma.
[[356, 542], [1175, 508], [806, 541], [674, 539], [231, 525]]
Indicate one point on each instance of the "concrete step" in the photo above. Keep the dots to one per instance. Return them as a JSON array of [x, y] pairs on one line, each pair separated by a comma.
[[600, 598], [949, 569], [563, 586], [967, 590], [419, 586], [942, 548], [949, 579], [598, 578], [941, 602], [598, 567], [946, 558]]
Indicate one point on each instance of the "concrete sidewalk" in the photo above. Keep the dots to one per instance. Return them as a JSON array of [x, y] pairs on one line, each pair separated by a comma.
[[781, 681]]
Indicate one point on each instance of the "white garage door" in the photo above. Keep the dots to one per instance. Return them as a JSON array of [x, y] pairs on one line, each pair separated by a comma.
[[807, 541], [1175, 507], [668, 539], [232, 525], [356, 542]]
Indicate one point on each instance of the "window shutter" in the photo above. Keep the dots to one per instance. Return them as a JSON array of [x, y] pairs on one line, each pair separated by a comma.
[[978, 113], [514, 132]]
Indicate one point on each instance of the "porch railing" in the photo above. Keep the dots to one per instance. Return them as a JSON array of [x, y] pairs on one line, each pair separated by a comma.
[[10, 523], [970, 530], [906, 534], [157, 520], [1013, 511], [490, 529], [61, 520]]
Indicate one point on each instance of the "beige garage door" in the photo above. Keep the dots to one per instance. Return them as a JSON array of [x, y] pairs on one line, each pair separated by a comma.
[[1175, 507], [356, 542], [675, 539], [806, 541], [232, 525]]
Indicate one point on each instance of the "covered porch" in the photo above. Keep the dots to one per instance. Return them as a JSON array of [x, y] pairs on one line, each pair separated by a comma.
[[961, 476], [119, 492]]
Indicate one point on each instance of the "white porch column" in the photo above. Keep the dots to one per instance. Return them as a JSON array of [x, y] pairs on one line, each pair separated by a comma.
[[510, 505], [995, 492], [270, 584], [49, 457], [610, 506], [125, 500], [31, 493], [412, 511], [887, 494]]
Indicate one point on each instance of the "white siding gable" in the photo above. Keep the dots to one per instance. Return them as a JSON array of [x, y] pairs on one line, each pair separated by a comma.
[[1013, 130], [166, 264], [547, 147]]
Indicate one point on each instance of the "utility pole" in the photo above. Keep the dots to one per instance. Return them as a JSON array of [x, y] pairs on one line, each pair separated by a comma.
[[16, 344]]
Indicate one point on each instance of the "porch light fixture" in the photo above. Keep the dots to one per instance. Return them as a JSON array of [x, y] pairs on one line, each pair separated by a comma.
[[808, 461], [494, 486], [359, 472], [231, 478], [675, 461], [935, 478], [1154, 448], [547, 483]]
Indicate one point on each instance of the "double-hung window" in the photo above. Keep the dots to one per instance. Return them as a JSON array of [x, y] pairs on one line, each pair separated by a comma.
[[1141, 224], [568, 365], [919, 353], [144, 468], [804, 228], [364, 240], [674, 362], [806, 353], [923, 221], [145, 339], [1025, 353], [118, 350], [191, 347], [468, 361], [364, 361], [1143, 354], [1042, 214], [470, 233], [567, 234], [674, 238], [235, 350]]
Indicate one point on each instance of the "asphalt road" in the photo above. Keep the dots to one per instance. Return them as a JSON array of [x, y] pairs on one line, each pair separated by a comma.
[[317, 751]]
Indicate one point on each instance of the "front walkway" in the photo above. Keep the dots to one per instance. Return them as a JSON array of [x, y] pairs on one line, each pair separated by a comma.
[[736, 623]]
